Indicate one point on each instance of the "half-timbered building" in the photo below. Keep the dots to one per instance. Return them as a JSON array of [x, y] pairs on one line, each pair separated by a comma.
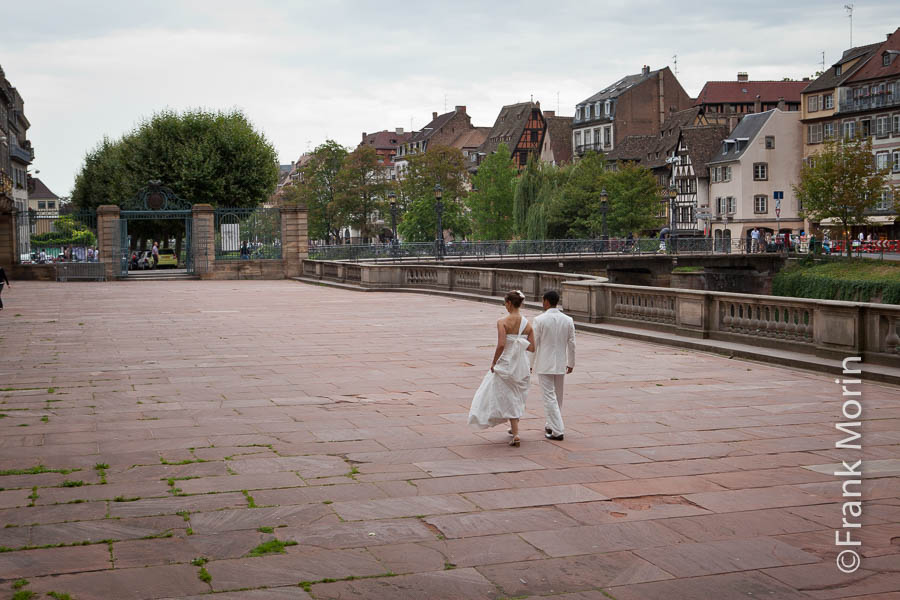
[[522, 128], [691, 214]]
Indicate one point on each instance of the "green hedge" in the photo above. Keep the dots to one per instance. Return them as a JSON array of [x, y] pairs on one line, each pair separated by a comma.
[[840, 279]]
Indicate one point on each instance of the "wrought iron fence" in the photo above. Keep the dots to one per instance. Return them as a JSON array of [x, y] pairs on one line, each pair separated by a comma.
[[248, 233], [49, 236], [534, 248]]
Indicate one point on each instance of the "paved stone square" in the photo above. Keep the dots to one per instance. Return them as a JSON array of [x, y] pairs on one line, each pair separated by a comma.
[[156, 436]]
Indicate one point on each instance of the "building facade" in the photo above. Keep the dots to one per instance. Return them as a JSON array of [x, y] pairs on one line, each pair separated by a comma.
[[726, 102], [634, 105], [758, 162], [16, 153], [868, 105], [522, 128], [386, 144]]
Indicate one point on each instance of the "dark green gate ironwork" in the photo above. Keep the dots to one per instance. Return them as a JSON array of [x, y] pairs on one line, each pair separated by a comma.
[[156, 202]]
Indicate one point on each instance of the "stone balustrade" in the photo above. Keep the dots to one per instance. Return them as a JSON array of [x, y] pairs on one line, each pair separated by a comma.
[[830, 329]]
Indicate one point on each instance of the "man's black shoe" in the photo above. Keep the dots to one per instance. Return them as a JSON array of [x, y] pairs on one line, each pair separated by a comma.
[[547, 430], [555, 438]]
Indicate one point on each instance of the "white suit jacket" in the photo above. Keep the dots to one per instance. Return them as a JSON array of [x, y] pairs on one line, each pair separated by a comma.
[[554, 338]]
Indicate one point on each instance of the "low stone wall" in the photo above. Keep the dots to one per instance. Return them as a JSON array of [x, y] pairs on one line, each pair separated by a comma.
[[245, 269], [30, 272], [829, 329]]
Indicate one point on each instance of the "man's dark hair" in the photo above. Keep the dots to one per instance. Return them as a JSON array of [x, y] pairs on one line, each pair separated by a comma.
[[552, 296]]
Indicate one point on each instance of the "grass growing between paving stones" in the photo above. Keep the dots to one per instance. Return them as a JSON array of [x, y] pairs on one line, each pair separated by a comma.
[[59, 596], [18, 584], [203, 575], [266, 530], [251, 503], [37, 471], [101, 471], [68, 483], [307, 585], [271, 547], [24, 595]]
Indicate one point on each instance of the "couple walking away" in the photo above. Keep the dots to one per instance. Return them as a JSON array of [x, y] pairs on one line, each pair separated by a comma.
[[501, 395]]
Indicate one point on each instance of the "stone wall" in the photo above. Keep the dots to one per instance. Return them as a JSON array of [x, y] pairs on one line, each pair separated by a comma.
[[824, 328]]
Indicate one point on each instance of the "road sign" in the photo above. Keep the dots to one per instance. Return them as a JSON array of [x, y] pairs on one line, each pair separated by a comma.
[[704, 215]]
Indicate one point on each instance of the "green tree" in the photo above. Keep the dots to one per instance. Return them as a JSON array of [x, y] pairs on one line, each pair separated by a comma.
[[528, 188], [361, 189], [491, 200], [440, 165], [317, 189], [841, 183], [205, 157], [574, 214], [634, 199], [550, 193]]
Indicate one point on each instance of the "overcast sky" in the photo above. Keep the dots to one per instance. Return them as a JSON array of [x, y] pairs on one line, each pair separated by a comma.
[[307, 71]]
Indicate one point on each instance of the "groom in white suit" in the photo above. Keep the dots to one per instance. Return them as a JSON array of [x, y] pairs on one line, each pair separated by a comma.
[[554, 357]]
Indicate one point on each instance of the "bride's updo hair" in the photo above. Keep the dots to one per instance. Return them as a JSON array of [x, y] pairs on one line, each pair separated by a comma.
[[515, 298]]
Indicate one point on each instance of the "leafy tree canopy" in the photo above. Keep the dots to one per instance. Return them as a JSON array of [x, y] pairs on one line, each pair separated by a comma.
[[204, 157], [440, 165], [842, 182], [634, 201], [491, 200], [574, 214], [317, 188], [361, 190]]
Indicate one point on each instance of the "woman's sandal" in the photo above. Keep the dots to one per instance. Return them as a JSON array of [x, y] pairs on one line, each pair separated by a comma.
[[514, 442]]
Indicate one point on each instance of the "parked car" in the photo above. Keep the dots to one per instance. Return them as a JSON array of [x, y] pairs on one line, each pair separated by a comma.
[[167, 258]]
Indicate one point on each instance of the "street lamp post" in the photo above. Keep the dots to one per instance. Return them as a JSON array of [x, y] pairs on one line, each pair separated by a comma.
[[673, 194], [439, 211], [604, 208], [393, 199]]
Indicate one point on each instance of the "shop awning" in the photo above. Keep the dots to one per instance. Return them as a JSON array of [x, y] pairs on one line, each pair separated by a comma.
[[874, 220]]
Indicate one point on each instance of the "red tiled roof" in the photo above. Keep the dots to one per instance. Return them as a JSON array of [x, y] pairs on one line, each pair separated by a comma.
[[385, 139], [715, 92], [874, 69]]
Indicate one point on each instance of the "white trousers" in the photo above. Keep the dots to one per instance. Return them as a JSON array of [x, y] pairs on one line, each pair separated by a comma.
[[552, 393]]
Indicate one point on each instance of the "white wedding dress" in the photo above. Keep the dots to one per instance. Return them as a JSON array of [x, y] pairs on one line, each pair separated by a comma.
[[501, 395]]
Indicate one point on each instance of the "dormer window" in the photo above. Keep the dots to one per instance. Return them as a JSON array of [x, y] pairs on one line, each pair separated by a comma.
[[885, 59], [587, 112], [607, 107], [837, 70]]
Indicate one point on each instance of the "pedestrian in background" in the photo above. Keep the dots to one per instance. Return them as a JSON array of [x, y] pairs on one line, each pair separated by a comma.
[[3, 279]]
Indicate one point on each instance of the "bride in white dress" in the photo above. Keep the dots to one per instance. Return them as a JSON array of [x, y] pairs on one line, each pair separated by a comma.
[[501, 395]]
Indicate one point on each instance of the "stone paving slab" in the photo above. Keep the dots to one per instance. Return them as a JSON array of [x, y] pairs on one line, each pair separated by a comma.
[[144, 446]]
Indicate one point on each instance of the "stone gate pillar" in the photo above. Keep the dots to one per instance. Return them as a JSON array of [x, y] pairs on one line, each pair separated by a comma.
[[108, 234], [203, 238], [294, 238], [8, 245]]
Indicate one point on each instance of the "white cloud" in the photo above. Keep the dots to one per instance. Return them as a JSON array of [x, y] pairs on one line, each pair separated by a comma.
[[304, 71]]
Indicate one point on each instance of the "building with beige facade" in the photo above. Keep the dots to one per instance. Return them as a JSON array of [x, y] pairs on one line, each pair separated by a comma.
[[757, 162]]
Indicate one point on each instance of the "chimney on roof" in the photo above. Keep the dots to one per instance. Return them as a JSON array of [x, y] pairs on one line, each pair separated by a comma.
[[549, 113], [399, 131], [781, 103], [364, 136], [742, 76], [806, 79], [434, 115], [757, 105], [645, 70], [461, 108]]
